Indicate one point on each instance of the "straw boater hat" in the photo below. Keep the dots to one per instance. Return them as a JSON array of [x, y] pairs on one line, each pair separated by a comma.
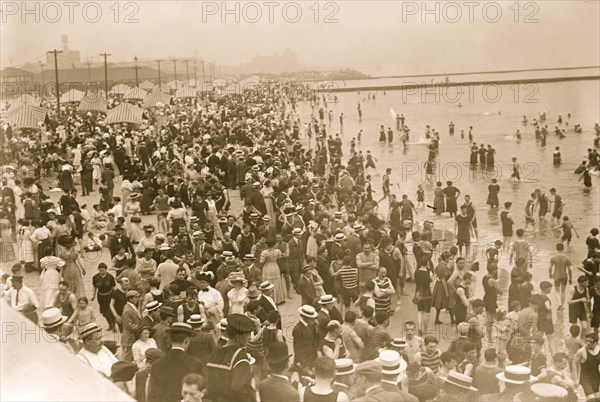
[[223, 324], [52, 318], [195, 320], [344, 367], [297, 231], [398, 343], [516, 375], [153, 305], [308, 311], [549, 392], [391, 362], [460, 380], [134, 196], [266, 285], [164, 247], [89, 329], [181, 328], [339, 237], [327, 299]]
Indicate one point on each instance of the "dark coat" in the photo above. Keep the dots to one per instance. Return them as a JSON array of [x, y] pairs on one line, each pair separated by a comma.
[[276, 389], [167, 375], [306, 344]]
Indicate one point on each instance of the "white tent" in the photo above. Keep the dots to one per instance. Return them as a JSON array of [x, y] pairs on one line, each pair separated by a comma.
[[73, 95], [135, 94], [35, 369]]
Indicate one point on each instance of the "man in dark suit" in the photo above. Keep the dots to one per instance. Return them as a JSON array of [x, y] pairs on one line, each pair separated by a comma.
[[166, 376], [131, 324], [142, 377], [153, 316], [327, 313], [278, 387], [296, 256], [306, 339], [266, 301], [203, 344]]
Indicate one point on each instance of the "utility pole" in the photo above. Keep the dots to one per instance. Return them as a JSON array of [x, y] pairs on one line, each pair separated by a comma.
[[195, 79], [105, 73], [135, 59], [212, 71], [89, 71], [56, 52], [42, 89], [187, 72], [158, 61], [175, 67], [203, 75]]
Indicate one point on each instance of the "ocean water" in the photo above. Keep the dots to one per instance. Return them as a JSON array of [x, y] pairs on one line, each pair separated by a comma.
[[495, 113]]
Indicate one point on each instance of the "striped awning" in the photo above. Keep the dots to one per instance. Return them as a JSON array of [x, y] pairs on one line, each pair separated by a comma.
[[27, 116], [73, 95], [120, 89], [125, 113], [24, 99], [93, 102], [136, 94], [157, 97], [147, 85], [186, 92]]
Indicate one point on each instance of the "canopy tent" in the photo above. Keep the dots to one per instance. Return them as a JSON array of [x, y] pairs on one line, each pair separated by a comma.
[[73, 95], [125, 113], [135, 94], [147, 85], [24, 99], [176, 84], [93, 102], [157, 97], [186, 92], [166, 88], [36, 369], [26, 116], [120, 89]]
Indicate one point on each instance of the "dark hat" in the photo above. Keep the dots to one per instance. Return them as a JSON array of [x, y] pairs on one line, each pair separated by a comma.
[[66, 241], [277, 352], [205, 276], [370, 368], [153, 354], [167, 310], [135, 219], [253, 293], [240, 323], [181, 328], [123, 371]]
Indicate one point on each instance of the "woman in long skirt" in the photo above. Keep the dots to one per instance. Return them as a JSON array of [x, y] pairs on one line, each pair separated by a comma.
[[441, 293], [73, 270], [26, 249], [438, 198], [271, 273], [493, 189], [7, 251], [50, 279]]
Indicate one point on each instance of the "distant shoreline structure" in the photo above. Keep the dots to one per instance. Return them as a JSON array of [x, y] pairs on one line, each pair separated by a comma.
[[490, 72], [331, 89]]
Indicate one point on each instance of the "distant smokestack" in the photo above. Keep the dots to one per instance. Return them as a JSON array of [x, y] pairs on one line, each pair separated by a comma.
[[65, 43]]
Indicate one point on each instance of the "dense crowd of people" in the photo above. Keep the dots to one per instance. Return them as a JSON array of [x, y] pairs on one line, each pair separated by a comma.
[[194, 286]]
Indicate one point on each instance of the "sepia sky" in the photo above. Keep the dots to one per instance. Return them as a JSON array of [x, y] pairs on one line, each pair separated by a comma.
[[377, 37]]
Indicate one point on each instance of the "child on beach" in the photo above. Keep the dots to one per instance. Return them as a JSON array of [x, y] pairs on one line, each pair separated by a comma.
[[573, 343], [84, 313], [516, 174], [420, 196], [567, 227]]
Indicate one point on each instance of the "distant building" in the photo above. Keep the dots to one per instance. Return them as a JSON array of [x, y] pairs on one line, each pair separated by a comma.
[[285, 63], [65, 60]]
